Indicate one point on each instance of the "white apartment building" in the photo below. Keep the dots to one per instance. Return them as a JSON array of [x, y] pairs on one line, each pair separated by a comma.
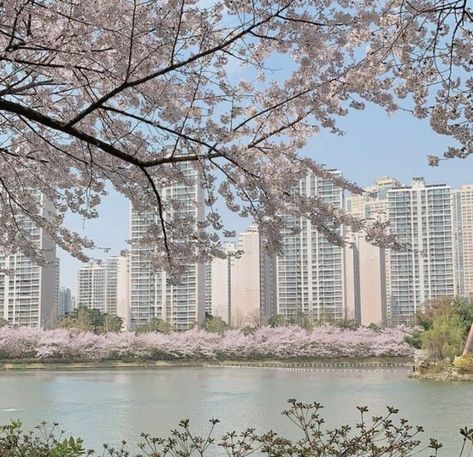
[[236, 284], [92, 286], [421, 216], [65, 301], [151, 292], [104, 286], [223, 283], [366, 273], [208, 288], [29, 295], [121, 289], [373, 203], [246, 294], [310, 271], [463, 227]]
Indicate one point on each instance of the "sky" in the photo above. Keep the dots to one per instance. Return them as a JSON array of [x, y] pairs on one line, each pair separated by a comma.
[[374, 145]]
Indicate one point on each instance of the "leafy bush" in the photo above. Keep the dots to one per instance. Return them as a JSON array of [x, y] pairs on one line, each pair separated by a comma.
[[464, 363], [43, 442], [446, 305], [384, 435], [445, 340], [91, 320]]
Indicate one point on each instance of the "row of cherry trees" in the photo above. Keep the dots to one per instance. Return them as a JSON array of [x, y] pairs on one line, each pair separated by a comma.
[[280, 343]]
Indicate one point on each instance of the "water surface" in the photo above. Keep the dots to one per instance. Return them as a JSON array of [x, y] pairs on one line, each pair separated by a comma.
[[108, 406]]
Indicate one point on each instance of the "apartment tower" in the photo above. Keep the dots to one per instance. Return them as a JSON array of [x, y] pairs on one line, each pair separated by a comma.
[[422, 218], [309, 273], [463, 227], [152, 294], [29, 295]]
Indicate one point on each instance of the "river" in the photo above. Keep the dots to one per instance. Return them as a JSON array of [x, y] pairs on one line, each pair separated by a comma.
[[108, 405]]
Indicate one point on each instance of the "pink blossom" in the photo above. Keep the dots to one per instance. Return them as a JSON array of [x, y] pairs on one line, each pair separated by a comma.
[[279, 343]]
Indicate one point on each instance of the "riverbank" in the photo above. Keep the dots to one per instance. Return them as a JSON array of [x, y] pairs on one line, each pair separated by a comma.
[[52, 364], [445, 375]]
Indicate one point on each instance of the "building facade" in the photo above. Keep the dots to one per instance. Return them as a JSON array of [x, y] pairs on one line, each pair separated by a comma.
[[29, 295], [65, 301], [365, 282], [104, 286], [92, 286], [366, 268], [152, 293], [309, 273], [421, 217], [463, 228], [222, 284]]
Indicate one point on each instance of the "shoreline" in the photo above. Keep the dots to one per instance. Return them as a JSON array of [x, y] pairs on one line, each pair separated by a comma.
[[442, 376], [342, 363]]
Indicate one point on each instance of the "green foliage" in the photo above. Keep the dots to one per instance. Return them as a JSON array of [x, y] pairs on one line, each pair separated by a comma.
[[91, 320], [382, 436], [464, 309], [445, 339], [415, 339], [43, 442], [277, 321], [215, 324], [458, 306], [156, 325], [464, 363], [3, 322], [446, 323]]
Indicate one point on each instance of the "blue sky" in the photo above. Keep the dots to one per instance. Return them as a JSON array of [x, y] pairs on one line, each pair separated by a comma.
[[374, 145]]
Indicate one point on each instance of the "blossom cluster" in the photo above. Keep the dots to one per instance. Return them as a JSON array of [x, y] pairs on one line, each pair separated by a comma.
[[279, 343]]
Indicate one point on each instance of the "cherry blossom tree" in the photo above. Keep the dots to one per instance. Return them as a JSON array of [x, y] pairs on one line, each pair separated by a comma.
[[127, 92], [278, 343]]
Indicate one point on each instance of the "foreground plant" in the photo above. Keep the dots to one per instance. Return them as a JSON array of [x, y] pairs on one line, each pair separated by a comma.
[[379, 436]]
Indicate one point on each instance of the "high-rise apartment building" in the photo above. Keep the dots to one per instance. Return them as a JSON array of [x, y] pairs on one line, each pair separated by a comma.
[[365, 281], [104, 286], [243, 285], [309, 273], [92, 286], [152, 294], [28, 296], [421, 217], [463, 227], [246, 296], [121, 289], [222, 284], [268, 285], [208, 288], [366, 273], [65, 302], [373, 203]]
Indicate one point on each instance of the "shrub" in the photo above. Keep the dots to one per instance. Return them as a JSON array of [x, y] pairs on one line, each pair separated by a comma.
[[445, 339], [464, 363]]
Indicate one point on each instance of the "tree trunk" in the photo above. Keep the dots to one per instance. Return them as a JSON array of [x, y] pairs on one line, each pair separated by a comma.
[[469, 343]]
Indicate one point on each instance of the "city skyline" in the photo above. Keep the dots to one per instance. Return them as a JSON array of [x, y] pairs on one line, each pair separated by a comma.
[[322, 280], [69, 279]]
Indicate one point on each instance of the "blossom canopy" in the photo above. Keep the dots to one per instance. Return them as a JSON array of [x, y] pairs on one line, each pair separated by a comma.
[[126, 91]]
